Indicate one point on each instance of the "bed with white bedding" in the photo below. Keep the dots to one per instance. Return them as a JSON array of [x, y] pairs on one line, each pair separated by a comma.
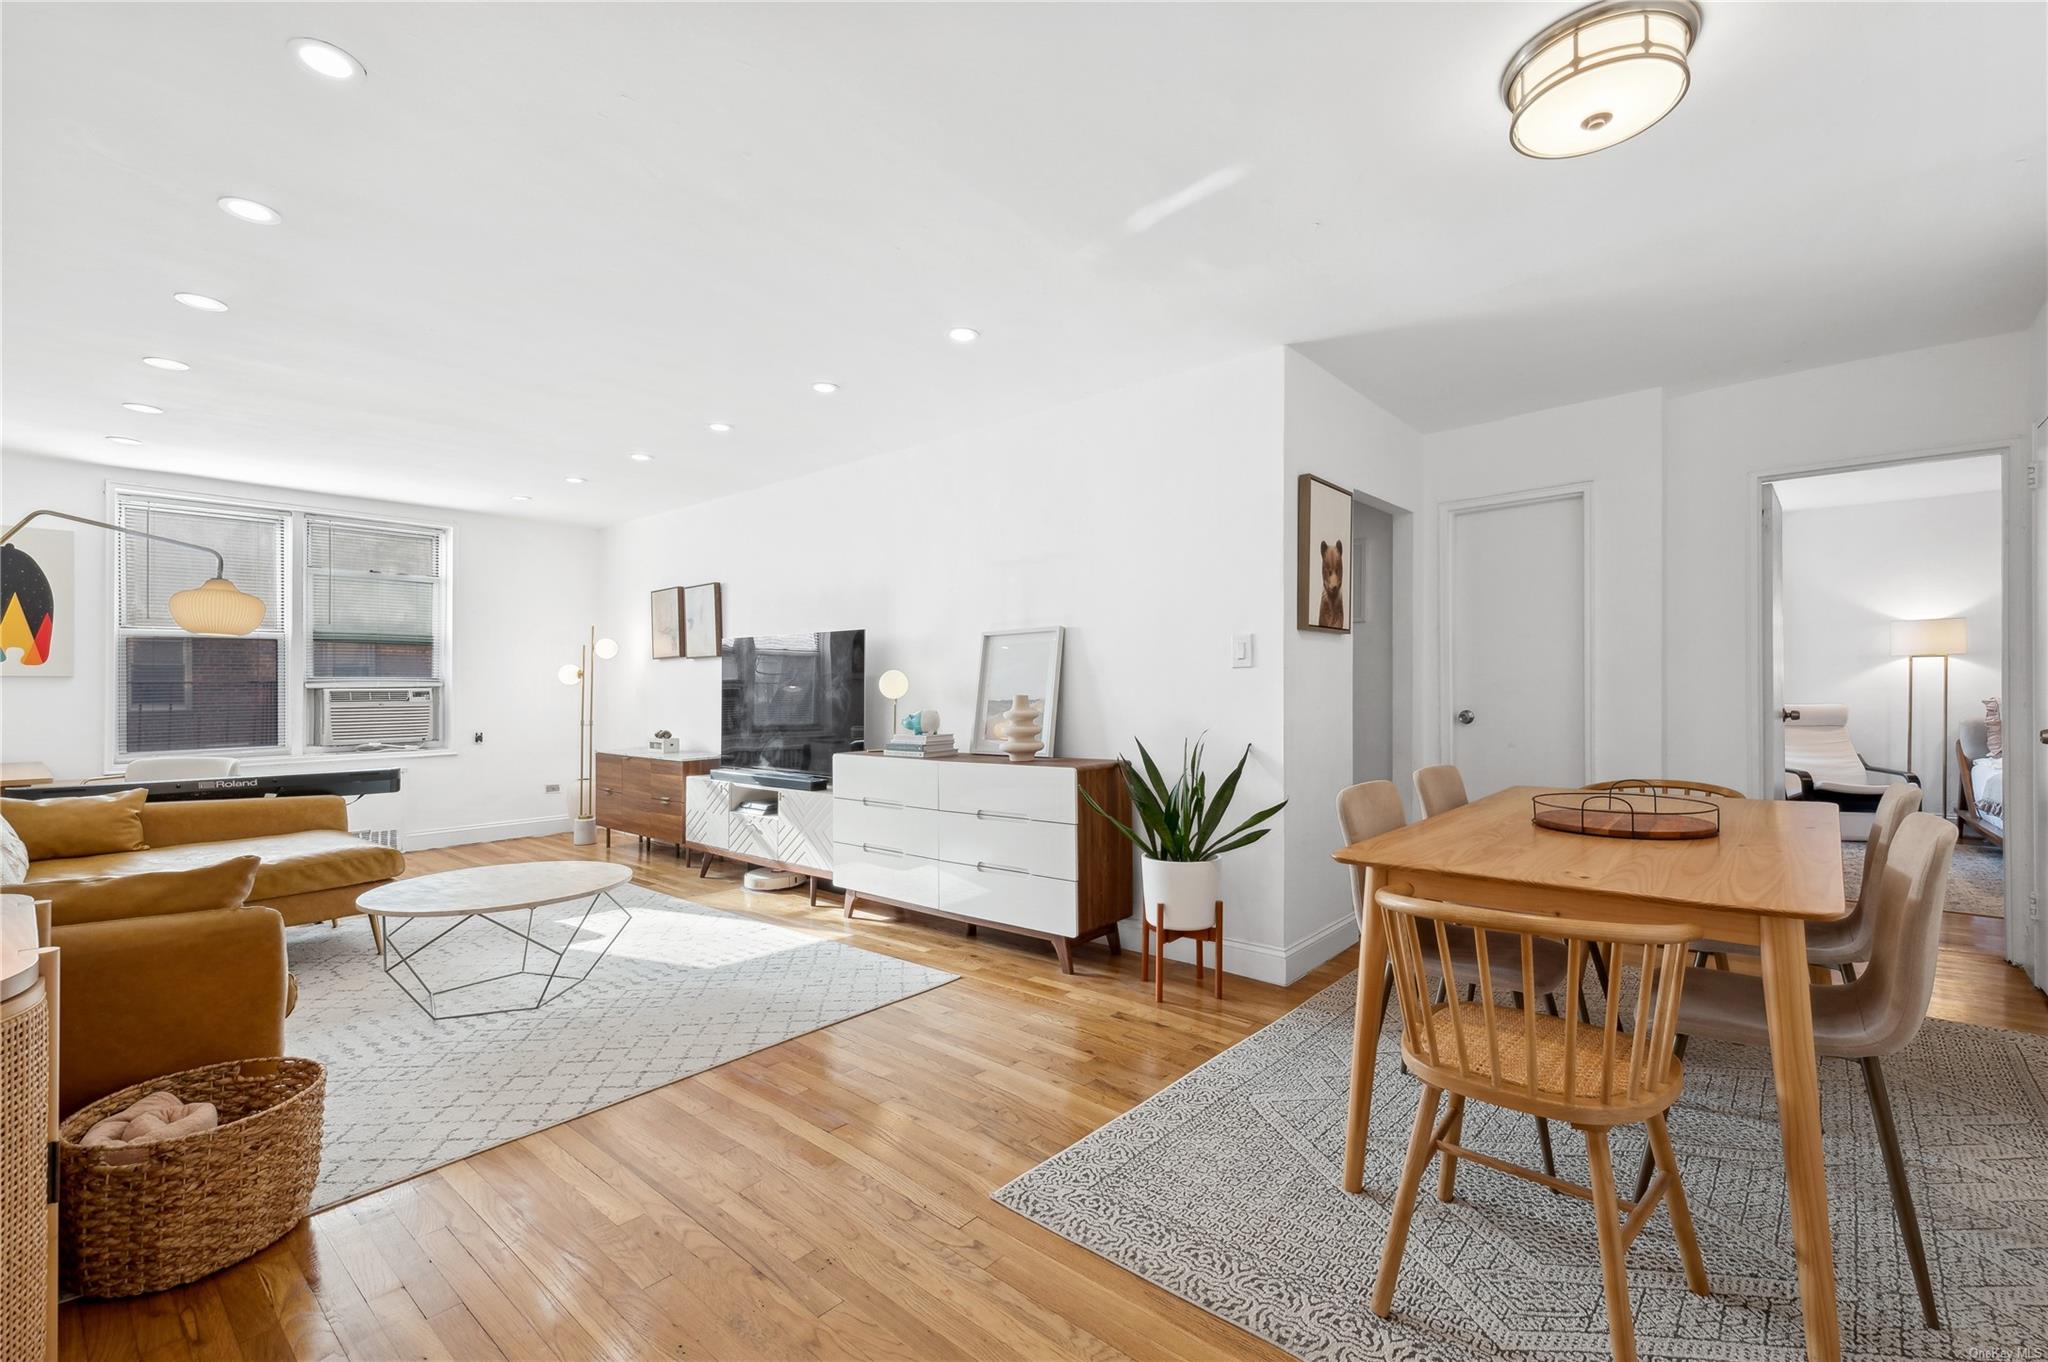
[[1982, 805]]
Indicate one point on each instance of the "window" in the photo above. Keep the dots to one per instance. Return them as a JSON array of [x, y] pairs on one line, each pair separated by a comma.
[[355, 623], [180, 692]]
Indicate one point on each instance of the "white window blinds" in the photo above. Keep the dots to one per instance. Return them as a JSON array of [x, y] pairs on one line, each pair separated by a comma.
[[374, 600]]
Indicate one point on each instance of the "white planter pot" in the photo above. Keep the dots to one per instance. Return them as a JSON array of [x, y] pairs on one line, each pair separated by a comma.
[[586, 832], [1188, 889]]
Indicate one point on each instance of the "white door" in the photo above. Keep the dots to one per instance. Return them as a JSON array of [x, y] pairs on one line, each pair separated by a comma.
[[2033, 906], [1775, 712], [1517, 628]]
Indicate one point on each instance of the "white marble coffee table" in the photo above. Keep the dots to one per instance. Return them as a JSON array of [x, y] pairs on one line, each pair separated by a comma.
[[478, 894]]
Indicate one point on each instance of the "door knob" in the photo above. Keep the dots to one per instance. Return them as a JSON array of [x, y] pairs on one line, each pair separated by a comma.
[[1466, 716], [1789, 715]]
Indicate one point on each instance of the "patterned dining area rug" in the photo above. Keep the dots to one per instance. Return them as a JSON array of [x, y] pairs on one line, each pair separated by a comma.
[[1224, 1189]]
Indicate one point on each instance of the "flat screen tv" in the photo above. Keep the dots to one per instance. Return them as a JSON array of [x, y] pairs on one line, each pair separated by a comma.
[[792, 701]]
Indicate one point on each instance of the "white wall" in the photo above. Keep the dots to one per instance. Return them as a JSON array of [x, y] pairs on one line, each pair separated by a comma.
[[1614, 447], [1372, 643], [1337, 434], [1849, 572], [522, 596], [1717, 442], [1143, 520]]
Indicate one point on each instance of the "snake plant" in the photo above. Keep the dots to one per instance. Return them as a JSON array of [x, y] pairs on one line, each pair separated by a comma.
[[1180, 821]]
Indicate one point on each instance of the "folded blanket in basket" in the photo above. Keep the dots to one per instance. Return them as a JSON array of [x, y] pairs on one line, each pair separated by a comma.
[[157, 1117]]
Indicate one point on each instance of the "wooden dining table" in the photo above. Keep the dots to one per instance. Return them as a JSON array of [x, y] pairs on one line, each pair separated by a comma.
[[1775, 867]]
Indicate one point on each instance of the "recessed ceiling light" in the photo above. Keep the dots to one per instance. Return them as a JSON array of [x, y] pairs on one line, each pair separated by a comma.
[[963, 335], [638, 457], [248, 210], [142, 407], [824, 387], [719, 428], [201, 302], [517, 497], [325, 59], [576, 480], [159, 362], [122, 440]]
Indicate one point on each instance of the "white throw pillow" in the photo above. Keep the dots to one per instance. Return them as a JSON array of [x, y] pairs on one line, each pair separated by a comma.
[[13, 855]]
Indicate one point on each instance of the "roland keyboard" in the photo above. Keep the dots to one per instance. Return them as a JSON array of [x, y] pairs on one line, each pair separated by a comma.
[[349, 784]]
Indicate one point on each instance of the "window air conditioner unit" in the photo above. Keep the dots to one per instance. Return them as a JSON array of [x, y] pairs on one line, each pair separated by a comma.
[[376, 718]]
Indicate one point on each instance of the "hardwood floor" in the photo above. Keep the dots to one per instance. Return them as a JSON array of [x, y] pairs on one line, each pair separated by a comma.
[[826, 1197]]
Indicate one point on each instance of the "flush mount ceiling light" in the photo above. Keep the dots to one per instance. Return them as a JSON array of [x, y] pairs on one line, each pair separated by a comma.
[[200, 302], [325, 59], [248, 210], [159, 362], [963, 335], [824, 387], [142, 407], [1599, 76]]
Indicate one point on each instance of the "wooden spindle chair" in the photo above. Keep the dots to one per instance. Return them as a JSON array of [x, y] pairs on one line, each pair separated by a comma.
[[1696, 789], [1594, 1076]]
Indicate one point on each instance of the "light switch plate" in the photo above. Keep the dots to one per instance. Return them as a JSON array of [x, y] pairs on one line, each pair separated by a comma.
[[1240, 650]]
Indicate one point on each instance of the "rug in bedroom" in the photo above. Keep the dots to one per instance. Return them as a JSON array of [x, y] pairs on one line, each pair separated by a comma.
[[684, 988], [1224, 1189], [1976, 879]]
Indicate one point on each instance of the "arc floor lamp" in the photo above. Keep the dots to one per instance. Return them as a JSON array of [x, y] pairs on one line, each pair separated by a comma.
[[215, 606]]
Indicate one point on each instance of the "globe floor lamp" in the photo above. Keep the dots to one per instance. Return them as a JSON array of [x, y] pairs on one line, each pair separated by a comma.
[[582, 673], [215, 606], [1913, 640]]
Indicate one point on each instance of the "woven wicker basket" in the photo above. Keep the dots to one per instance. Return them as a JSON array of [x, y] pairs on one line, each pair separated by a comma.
[[195, 1205]]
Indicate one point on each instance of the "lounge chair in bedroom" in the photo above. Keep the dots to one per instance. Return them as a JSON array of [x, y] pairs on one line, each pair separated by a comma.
[[1982, 803], [1821, 763]]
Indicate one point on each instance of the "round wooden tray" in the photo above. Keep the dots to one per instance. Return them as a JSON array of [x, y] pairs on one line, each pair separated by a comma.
[[1633, 817]]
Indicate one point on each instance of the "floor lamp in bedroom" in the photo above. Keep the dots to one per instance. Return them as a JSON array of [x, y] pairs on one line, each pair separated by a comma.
[[1913, 640]]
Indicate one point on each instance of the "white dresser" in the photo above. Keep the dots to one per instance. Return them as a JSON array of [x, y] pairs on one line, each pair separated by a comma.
[[795, 837], [985, 840]]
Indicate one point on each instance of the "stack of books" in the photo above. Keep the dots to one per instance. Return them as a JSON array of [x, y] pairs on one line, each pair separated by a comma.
[[921, 745]]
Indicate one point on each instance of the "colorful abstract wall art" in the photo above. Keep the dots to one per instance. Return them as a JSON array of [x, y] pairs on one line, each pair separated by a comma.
[[37, 611]]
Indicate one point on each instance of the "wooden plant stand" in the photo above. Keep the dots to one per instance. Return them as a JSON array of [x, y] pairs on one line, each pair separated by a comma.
[[1155, 939]]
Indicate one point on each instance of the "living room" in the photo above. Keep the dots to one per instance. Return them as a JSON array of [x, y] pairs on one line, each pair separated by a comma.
[[711, 494]]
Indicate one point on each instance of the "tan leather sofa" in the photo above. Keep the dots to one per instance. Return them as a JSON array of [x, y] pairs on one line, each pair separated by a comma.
[[311, 867]]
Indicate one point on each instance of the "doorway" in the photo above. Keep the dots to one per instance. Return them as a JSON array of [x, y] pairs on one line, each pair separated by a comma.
[[1516, 633], [1886, 655]]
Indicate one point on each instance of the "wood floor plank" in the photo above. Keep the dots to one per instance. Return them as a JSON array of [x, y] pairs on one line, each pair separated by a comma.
[[827, 1197]]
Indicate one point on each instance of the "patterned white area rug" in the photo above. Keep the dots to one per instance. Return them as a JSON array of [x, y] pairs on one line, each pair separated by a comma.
[[1224, 1190], [683, 988]]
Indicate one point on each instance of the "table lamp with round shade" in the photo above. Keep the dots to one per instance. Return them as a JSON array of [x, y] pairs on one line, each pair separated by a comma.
[[583, 673], [894, 685], [1912, 639]]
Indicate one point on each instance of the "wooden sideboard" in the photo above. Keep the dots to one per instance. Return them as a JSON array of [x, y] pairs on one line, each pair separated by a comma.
[[986, 841], [647, 793]]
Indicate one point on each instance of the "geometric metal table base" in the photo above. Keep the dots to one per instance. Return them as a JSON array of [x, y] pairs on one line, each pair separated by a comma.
[[529, 943]]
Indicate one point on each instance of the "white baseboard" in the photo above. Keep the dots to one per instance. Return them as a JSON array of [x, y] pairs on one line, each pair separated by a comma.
[[482, 832], [1256, 960]]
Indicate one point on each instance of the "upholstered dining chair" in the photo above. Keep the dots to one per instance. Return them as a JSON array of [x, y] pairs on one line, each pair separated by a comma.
[[1596, 1077], [1698, 789], [1841, 944], [1875, 1015], [1373, 807], [1441, 789]]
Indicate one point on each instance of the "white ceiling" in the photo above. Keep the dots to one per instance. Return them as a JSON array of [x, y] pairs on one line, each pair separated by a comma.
[[1892, 482], [539, 237]]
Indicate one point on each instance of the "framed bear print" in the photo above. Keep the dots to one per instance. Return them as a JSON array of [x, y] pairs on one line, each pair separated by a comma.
[[1322, 576]]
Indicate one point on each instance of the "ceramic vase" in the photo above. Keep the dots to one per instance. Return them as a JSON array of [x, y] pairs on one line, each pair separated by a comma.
[[1021, 730]]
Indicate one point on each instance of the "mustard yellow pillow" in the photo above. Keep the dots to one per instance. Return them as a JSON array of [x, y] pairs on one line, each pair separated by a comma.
[[110, 898], [92, 825]]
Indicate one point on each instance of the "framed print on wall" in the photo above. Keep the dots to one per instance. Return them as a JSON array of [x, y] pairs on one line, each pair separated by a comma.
[[1322, 580], [1017, 662], [37, 611], [665, 610], [703, 620]]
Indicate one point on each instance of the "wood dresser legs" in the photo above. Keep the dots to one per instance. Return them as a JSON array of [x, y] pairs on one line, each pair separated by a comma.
[[1796, 1071]]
